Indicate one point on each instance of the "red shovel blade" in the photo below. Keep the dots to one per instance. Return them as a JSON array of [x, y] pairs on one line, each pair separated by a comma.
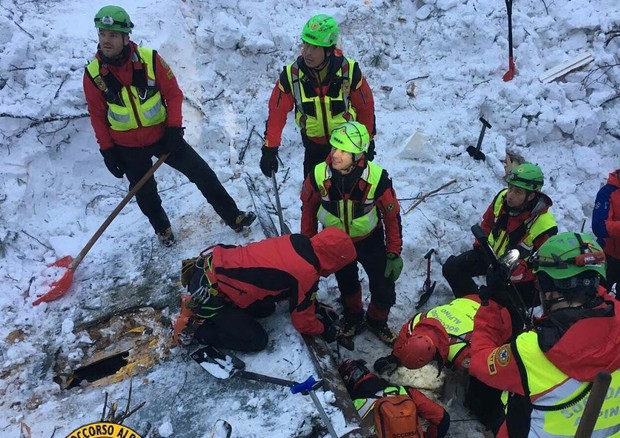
[[60, 286], [511, 71]]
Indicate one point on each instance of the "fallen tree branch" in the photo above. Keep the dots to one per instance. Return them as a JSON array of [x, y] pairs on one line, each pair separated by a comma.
[[47, 119], [432, 192]]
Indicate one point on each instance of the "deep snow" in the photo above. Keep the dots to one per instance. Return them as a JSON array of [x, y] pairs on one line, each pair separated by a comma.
[[55, 190]]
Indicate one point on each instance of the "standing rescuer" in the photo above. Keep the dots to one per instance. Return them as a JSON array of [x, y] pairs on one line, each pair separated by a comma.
[[325, 88], [356, 195], [134, 103], [547, 372]]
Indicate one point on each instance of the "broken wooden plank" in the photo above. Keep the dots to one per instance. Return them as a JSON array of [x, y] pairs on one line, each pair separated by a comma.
[[566, 67]]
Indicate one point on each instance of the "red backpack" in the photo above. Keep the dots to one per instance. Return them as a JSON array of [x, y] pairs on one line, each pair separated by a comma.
[[396, 416]]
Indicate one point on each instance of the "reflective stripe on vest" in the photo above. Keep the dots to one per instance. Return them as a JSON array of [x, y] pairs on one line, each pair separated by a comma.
[[132, 106], [548, 386], [314, 125], [534, 227], [356, 217], [365, 406], [457, 317]]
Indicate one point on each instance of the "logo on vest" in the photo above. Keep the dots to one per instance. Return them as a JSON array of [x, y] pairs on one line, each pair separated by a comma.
[[100, 83]]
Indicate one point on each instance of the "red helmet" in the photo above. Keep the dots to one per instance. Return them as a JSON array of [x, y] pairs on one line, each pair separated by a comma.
[[416, 352]]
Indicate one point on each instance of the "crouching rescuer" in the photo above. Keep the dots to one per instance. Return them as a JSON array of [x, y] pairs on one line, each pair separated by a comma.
[[392, 410], [547, 372], [232, 286]]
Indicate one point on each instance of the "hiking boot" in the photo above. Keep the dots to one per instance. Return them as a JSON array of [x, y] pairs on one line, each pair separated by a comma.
[[186, 323], [382, 331], [166, 237], [244, 219], [352, 324]]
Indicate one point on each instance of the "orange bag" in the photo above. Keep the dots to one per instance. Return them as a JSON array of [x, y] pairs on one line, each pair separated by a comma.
[[396, 416]]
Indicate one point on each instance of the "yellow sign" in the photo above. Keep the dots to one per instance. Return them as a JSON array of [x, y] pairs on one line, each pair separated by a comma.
[[103, 430]]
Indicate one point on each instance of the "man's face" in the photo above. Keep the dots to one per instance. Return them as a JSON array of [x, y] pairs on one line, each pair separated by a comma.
[[341, 160], [517, 197], [313, 56], [112, 42]]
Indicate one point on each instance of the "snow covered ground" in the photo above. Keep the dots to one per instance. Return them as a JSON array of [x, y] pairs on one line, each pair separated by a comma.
[[449, 55]]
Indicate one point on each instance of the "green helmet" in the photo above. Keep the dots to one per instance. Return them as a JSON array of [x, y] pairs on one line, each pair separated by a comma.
[[527, 176], [321, 30], [350, 137], [113, 18], [567, 255]]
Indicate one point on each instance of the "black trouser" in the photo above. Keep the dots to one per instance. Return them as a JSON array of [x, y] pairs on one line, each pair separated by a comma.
[[459, 272], [234, 328], [613, 274], [314, 154], [138, 160], [371, 253], [485, 403]]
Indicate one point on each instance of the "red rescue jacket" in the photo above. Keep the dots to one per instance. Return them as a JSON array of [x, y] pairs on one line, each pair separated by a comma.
[[167, 85], [279, 268]]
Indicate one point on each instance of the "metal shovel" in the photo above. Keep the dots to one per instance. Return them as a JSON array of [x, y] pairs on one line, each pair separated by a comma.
[[475, 152]]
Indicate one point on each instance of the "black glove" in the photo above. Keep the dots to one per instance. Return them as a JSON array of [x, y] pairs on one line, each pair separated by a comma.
[[495, 287], [327, 313], [172, 139], [496, 279], [387, 364], [112, 161], [370, 153], [330, 332], [269, 161]]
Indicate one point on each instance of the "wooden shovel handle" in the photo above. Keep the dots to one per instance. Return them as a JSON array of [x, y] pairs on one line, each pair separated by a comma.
[[116, 211]]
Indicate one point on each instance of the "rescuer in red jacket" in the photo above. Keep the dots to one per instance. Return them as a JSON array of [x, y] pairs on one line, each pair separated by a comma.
[[325, 88], [231, 286], [547, 372], [134, 103]]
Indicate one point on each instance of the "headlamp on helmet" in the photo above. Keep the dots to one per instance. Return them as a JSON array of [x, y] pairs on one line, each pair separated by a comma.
[[527, 176], [113, 18], [567, 255]]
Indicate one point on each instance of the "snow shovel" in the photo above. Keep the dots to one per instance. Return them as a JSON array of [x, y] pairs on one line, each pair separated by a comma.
[[475, 152], [224, 366], [61, 286], [511, 62], [284, 229], [428, 288]]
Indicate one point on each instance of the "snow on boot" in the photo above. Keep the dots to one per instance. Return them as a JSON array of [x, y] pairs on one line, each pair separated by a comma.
[[243, 220], [352, 324], [382, 331]]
